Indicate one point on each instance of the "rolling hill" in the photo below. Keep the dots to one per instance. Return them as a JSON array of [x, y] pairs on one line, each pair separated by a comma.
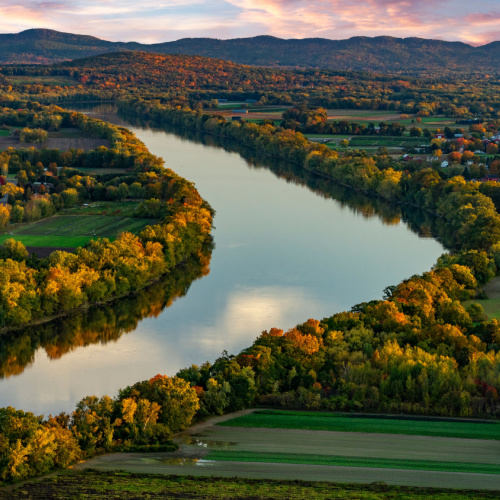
[[382, 54]]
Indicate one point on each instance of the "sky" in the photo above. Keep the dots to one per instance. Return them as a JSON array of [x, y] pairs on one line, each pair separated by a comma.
[[152, 21]]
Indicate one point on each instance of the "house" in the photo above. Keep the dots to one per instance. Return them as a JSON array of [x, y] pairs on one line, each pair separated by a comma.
[[444, 164], [440, 136]]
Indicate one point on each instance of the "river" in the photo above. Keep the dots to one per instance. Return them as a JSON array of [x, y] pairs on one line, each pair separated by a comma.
[[282, 254]]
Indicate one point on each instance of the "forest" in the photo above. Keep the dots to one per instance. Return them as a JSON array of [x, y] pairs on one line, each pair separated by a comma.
[[199, 82], [426, 348], [390, 55]]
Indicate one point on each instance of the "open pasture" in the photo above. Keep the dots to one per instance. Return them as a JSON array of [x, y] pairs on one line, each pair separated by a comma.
[[320, 421], [387, 141], [491, 305], [74, 230]]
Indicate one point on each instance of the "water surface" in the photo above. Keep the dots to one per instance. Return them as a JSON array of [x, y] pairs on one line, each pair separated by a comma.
[[283, 254]]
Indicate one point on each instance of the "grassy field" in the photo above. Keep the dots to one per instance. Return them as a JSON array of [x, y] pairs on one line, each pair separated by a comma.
[[343, 423], [4, 133], [126, 486], [491, 305], [45, 80], [384, 463], [47, 241], [387, 141], [74, 230], [123, 208]]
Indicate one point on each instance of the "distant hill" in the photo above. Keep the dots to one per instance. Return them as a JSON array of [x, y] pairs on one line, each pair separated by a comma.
[[383, 54]]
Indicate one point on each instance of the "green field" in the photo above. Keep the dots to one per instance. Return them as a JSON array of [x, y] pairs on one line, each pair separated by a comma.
[[47, 241], [343, 423], [343, 461], [4, 133], [74, 230], [125, 486], [122, 208], [491, 306], [388, 141]]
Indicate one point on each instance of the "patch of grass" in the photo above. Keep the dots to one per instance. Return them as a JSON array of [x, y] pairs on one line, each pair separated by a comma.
[[47, 241], [102, 171], [356, 423], [67, 133], [383, 463], [124, 486], [491, 306], [388, 141], [4, 133], [122, 208], [75, 230]]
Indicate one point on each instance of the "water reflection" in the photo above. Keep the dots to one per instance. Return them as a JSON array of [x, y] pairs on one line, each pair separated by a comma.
[[289, 246], [419, 221], [100, 324]]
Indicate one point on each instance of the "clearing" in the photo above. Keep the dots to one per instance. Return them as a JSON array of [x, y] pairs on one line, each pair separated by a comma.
[[491, 305], [71, 231], [322, 421]]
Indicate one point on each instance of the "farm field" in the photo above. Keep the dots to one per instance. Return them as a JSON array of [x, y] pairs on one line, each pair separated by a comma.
[[74, 230], [125, 486], [278, 453], [388, 141], [122, 208], [356, 423], [491, 305]]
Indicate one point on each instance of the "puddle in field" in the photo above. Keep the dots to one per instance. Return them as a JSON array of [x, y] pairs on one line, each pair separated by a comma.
[[185, 462], [206, 443]]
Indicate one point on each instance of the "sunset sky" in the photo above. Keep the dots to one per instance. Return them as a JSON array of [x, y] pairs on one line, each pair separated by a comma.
[[151, 21]]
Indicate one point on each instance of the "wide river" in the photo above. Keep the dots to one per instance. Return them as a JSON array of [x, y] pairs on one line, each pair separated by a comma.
[[282, 254]]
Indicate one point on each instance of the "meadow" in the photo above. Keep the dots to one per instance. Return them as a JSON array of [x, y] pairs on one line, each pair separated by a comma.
[[72, 231], [426, 426]]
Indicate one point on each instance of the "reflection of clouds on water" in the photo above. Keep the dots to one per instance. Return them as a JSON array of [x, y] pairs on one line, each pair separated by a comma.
[[249, 311]]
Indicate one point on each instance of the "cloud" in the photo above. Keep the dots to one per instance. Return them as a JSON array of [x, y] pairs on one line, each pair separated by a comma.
[[151, 21]]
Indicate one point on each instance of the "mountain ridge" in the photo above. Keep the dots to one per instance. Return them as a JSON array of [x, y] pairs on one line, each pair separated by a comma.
[[379, 54]]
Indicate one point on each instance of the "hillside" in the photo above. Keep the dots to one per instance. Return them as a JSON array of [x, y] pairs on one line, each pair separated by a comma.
[[385, 54]]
